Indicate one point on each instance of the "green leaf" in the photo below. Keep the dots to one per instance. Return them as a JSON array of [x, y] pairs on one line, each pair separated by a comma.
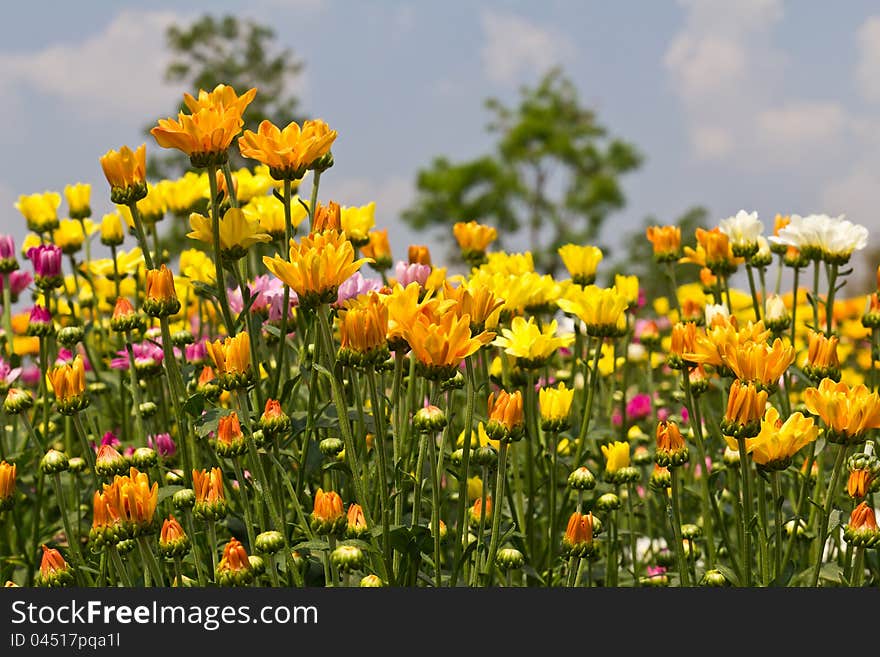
[[315, 545], [194, 405], [167, 491]]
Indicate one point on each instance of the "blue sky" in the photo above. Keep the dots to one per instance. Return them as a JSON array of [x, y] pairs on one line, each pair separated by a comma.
[[758, 104]]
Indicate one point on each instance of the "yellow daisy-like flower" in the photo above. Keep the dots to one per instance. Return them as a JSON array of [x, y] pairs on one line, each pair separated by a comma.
[[269, 212], [477, 301], [581, 262], [206, 134], [848, 412], [405, 305], [601, 309], [513, 264], [181, 196], [778, 441], [363, 326], [441, 346], [127, 263], [291, 151], [318, 265], [555, 407], [473, 240], [479, 438], [616, 456], [357, 222], [759, 363], [197, 265], [40, 210], [78, 198], [530, 344], [238, 232], [69, 236]]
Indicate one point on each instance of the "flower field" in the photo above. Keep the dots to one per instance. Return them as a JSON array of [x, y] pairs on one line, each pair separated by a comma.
[[285, 403]]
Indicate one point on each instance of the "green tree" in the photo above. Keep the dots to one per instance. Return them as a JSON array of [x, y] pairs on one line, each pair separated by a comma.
[[238, 52], [554, 172]]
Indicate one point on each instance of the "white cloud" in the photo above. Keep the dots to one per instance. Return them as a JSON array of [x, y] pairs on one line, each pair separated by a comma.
[[723, 66], [868, 65], [117, 71], [514, 46], [801, 128]]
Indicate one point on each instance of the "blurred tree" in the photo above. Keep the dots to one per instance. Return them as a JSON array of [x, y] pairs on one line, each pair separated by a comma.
[[554, 172], [237, 52]]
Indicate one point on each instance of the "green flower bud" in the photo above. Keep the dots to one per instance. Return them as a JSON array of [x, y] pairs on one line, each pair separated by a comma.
[[714, 578], [144, 457], [269, 542], [69, 336], [54, 461], [691, 532], [148, 409], [371, 582], [77, 464], [331, 447], [17, 400], [608, 502], [581, 479], [347, 557], [174, 478], [181, 339], [509, 558], [258, 564], [429, 419], [184, 499]]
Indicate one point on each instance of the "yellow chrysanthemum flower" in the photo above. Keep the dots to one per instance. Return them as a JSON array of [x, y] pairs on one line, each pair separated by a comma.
[[40, 210], [291, 151], [318, 265], [778, 441], [238, 232], [358, 221], [581, 262], [601, 309], [531, 344]]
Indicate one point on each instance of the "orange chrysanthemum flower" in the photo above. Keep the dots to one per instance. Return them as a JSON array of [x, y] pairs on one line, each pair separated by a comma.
[[291, 151], [126, 172], [441, 346], [205, 135]]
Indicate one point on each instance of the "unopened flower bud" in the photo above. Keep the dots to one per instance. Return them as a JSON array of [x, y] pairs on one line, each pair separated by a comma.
[[54, 461], [17, 400], [429, 419], [347, 557], [485, 456], [174, 478], [148, 409], [608, 502], [714, 578], [691, 532], [181, 339], [110, 462], [581, 479], [77, 464], [69, 336], [371, 582], [184, 499], [173, 541], [144, 458], [269, 542], [509, 558], [258, 564], [331, 447]]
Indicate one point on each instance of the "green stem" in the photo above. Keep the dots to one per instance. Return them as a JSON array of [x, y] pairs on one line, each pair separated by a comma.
[[777, 522], [141, 237], [829, 304], [435, 507], [197, 550], [150, 561], [135, 387], [763, 547], [858, 567], [500, 480], [218, 264], [693, 405], [245, 503], [593, 382], [470, 392], [826, 511], [82, 576], [631, 525], [675, 513], [378, 410], [121, 570], [748, 512], [88, 454], [755, 305]]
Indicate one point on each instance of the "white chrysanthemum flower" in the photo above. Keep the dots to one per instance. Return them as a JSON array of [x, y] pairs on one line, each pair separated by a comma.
[[775, 310], [714, 310], [743, 229], [820, 236], [842, 237]]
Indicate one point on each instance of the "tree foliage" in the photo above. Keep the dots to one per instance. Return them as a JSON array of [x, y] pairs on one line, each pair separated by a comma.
[[554, 172]]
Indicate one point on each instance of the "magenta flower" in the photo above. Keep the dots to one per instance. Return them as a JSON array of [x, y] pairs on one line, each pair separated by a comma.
[[406, 273], [8, 374], [147, 358], [354, 286], [46, 260], [197, 352], [7, 247], [66, 355], [39, 314], [276, 304], [265, 287], [109, 438], [163, 443], [30, 374], [639, 407], [236, 303]]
